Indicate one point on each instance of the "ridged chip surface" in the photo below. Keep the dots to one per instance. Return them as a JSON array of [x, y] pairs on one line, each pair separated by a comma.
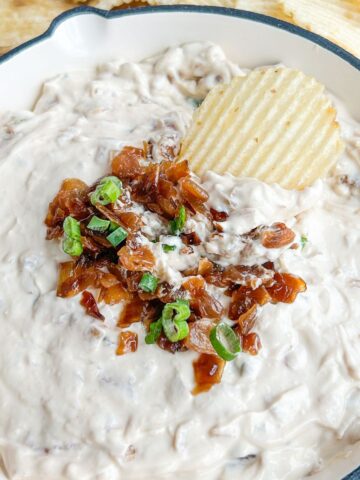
[[337, 20], [273, 8], [274, 124]]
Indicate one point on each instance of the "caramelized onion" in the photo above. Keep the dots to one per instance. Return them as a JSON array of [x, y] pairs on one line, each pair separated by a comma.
[[286, 287], [128, 342], [89, 303], [208, 370], [139, 259], [126, 165]]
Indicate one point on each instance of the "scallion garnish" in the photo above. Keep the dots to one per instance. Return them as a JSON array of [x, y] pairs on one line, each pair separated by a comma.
[[98, 224], [117, 236], [113, 179], [177, 225], [148, 283], [113, 226], [72, 247], [174, 320], [108, 191], [303, 240], [72, 242], [225, 341], [155, 331], [71, 228], [168, 248]]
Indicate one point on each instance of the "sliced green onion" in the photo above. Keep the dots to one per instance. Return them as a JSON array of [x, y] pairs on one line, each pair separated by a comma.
[[303, 240], [113, 179], [225, 342], [108, 191], [72, 247], [168, 248], [72, 228], [177, 225], [98, 224], [113, 226], [174, 316], [148, 283], [155, 331], [117, 236]]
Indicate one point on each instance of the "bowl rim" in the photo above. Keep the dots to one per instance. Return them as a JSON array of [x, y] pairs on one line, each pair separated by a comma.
[[229, 12]]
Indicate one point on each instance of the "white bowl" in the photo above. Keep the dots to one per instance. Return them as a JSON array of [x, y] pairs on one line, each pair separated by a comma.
[[85, 36]]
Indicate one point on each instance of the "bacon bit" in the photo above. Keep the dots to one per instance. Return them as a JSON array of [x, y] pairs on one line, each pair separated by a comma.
[[168, 189], [246, 321], [192, 192], [147, 186], [241, 302], [74, 184], [168, 198], [107, 280], [208, 370], [96, 238], [131, 313], [215, 277], [201, 301], [74, 279], [126, 165], [247, 276], [139, 259], [76, 284], [277, 236], [286, 288], [198, 338], [54, 232], [205, 267], [128, 342], [191, 238], [269, 265], [151, 312], [219, 228], [89, 303], [167, 294], [194, 285], [175, 171], [206, 306], [109, 214], [90, 246], [71, 200], [66, 270], [171, 347], [190, 272], [218, 216], [130, 220], [251, 343], [114, 294], [154, 207], [244, 298]]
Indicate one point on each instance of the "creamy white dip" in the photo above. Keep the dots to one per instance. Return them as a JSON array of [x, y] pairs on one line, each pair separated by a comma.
[[70, 408]]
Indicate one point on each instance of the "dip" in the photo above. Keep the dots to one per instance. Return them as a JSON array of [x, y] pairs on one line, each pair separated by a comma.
[[70, 408]]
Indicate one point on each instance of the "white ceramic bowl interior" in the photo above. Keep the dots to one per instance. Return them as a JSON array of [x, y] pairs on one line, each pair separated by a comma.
[[85, 37]]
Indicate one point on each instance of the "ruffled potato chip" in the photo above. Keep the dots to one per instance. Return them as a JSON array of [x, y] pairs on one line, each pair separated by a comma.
[[337, 20], [275, 124], [272, 8], [23, 20]]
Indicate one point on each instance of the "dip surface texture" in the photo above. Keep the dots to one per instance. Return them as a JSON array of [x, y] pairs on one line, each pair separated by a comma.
[[70, 408]]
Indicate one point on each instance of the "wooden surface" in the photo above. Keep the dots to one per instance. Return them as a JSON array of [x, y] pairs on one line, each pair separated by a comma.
[[21, 20]]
